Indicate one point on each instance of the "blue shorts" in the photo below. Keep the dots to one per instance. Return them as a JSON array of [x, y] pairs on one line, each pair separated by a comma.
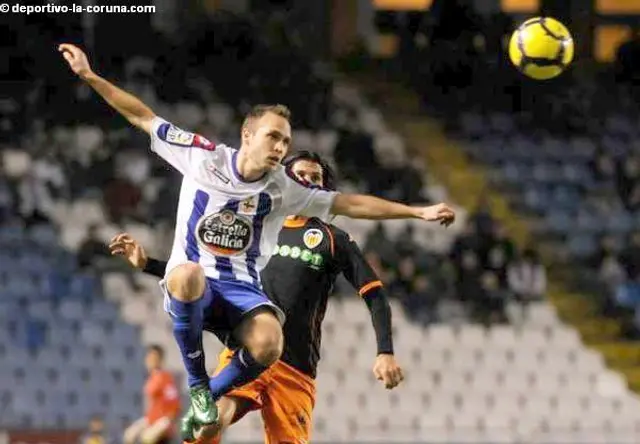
[[225, 304]]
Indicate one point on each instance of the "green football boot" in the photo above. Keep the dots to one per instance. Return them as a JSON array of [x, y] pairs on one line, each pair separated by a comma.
[[203, 406], [187, 426]]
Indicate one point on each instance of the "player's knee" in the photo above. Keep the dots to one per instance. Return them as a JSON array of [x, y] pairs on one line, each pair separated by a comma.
[[186, 282], [265, 342]]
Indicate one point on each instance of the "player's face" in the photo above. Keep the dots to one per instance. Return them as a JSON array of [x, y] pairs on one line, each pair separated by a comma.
[[308, 171], [268, 140], [153, 360]]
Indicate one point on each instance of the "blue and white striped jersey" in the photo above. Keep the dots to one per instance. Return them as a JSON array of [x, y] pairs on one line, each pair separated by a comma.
[[224, 223]]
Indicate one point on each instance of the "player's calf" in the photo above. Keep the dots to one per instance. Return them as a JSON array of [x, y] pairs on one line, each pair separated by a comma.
[[186, 286]]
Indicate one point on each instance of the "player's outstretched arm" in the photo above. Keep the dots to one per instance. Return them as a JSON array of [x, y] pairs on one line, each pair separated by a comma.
[[361, 206], [131, 108]]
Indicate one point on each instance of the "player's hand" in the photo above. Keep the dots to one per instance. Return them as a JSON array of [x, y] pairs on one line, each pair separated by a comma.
[[124, 245], [387, 370], [77, 60], [437, 213]]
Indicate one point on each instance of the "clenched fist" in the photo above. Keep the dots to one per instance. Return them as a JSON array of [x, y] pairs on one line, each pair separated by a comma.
[[77, 60]]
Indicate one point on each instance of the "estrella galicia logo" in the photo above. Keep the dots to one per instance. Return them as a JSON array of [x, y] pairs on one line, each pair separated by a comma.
[[225, 233]]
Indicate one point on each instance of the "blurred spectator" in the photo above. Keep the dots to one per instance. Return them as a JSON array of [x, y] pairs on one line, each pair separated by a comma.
[[94, 255], [603, 167], [490, 299], [92, 250], [354, 153], [482, 217], [630, 257], [628, 179], [467, 241], [96, 433], [162, 403], [628, 59], [378, 240], [404, 276], [498, 253], [121, 198], [468, 276], [420, 302], [528, 277]]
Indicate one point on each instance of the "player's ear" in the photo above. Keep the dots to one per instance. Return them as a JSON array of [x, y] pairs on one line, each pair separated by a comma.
[[246, 134]]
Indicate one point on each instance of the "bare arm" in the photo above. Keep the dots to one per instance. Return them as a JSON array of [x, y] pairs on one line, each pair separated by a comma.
[[360, 206], [129, 106]]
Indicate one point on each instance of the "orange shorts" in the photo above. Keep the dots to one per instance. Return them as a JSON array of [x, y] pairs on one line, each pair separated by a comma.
[[284, 395]]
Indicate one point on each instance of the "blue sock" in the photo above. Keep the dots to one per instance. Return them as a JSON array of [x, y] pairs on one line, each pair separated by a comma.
[[187, 329], [241, 370]]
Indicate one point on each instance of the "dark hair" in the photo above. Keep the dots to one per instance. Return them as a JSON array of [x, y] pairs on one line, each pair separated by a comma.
[[156, 348], [328, 175], [260, 110]]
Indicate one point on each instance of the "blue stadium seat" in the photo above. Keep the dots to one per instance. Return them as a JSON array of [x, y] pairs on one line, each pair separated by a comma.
[[72, 309], [93, 334], [60, 333], [101, 310], [559, 222], [124, 334], [41, 309]]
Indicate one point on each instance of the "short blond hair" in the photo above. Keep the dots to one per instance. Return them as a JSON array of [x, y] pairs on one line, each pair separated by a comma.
[[260, 110]]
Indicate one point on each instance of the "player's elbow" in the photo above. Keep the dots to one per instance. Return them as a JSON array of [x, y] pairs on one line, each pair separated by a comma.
[[346, 205]]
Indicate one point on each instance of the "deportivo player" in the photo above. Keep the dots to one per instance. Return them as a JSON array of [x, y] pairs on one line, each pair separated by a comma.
[[311, 254], [232, 205]]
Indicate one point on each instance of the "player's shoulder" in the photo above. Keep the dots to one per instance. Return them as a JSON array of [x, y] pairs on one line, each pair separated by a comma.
[[341, 235], [174, 135]]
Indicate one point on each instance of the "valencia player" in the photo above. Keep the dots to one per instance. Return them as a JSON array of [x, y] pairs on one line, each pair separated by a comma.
[[298, 278]]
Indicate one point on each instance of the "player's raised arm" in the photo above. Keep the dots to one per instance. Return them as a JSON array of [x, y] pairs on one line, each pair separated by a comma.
[[131, 108], [360, 206]]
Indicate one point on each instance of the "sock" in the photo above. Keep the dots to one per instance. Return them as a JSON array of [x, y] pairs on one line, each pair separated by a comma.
[[241, 369], [187, 329]]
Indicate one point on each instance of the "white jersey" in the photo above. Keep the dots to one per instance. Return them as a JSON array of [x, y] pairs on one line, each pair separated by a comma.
[[226, 224]]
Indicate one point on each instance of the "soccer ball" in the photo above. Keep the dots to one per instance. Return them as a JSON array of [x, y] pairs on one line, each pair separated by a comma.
[[541, 48]]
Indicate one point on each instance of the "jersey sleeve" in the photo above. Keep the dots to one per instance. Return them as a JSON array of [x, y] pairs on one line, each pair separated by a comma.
[[302, 199], [358, 272], [182, 149], [352, 263]]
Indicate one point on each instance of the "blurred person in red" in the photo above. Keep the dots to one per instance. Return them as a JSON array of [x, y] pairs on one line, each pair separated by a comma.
[[162, 402]]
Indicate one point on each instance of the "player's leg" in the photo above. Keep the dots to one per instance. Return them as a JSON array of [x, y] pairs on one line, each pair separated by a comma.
[[260, 332], [256, 324], [185, 286], [288, 406], [234, 406]]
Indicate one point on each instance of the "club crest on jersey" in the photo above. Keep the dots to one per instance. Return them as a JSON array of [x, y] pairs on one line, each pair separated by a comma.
[[312, 238], [225, 233], [176, 136]]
